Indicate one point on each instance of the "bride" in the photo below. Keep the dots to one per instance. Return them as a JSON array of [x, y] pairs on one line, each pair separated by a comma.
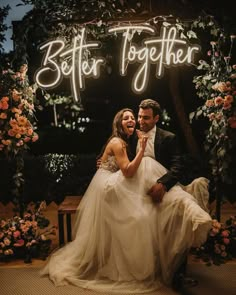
[[123, 242]]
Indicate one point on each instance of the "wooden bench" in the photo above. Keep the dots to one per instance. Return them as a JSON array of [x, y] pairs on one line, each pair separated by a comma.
[[68, 207]]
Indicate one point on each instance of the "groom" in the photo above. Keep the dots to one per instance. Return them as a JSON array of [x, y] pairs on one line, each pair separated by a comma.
[[163, 146]]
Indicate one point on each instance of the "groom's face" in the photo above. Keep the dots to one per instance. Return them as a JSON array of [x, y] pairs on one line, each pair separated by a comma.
[[146, 119]]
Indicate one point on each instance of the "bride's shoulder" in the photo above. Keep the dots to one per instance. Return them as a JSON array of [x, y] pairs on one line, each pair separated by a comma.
[[118, 142]]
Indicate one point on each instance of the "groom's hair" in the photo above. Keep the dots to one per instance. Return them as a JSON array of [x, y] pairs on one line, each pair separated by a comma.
[[151, 104]]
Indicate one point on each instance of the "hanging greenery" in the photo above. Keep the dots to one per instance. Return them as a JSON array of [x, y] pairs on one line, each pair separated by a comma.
[[216, 87]]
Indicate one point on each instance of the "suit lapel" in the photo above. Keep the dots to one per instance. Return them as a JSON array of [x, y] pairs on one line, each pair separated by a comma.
[[157, 143]]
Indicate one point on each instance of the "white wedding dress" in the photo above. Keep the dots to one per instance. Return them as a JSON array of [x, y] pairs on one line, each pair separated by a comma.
[[123, 242]]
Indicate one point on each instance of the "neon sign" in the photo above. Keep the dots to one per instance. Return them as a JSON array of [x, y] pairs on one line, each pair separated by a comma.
[[76, 62], [164, 51]]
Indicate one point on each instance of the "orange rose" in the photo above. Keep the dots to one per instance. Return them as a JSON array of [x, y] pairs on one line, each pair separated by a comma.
[[3, 116], [6, 142], [13, 122], [229, 98], [16, 95], [218, 100], [15, 110], [5, 98], [30, 131], [4, 105], [222, 87], [209, 103], [22, 120]]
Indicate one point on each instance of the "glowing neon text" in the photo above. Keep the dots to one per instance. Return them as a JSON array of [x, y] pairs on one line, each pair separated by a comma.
[[77, 64], [74, 63], [164, 51]]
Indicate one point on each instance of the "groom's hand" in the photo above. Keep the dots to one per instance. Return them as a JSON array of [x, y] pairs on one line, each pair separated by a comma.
[[157, 192]]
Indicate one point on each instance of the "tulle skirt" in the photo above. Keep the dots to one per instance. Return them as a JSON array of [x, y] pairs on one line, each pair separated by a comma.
[[123, 242]]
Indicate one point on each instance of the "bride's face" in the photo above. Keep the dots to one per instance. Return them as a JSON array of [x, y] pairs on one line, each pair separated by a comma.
[[128, 123]]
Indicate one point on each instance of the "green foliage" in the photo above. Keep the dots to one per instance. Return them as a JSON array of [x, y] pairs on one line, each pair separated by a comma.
[[50, 19], [65, 110], [3, 27], [216, 86]]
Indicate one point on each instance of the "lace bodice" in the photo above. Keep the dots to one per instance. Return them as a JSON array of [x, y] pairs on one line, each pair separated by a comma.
[[110, 164]]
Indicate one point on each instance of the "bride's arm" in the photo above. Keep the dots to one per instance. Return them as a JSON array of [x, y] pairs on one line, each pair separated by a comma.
[[119, 149]]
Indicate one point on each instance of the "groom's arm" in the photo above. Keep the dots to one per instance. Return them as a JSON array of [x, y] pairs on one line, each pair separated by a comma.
[[170, 151], [169, 156]]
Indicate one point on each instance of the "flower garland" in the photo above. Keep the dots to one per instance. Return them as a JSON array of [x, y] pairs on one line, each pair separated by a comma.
[[17, 123], [17, 119], [217, 87]]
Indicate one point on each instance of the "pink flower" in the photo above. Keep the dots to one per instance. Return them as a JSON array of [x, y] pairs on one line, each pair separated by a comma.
[[219, 100], [16, 234], [226, 241], [19, 243], [35, 137], [27, 139], [227, 105], [225, 233], [20, 143]]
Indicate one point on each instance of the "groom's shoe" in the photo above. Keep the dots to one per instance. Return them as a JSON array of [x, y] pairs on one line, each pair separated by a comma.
[[181, 281]]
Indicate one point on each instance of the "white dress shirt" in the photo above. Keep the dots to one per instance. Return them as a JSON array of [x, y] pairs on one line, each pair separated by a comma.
[[149, 150]]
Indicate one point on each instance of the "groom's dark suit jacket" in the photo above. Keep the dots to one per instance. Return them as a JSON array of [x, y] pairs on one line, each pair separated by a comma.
[[167, 152]]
